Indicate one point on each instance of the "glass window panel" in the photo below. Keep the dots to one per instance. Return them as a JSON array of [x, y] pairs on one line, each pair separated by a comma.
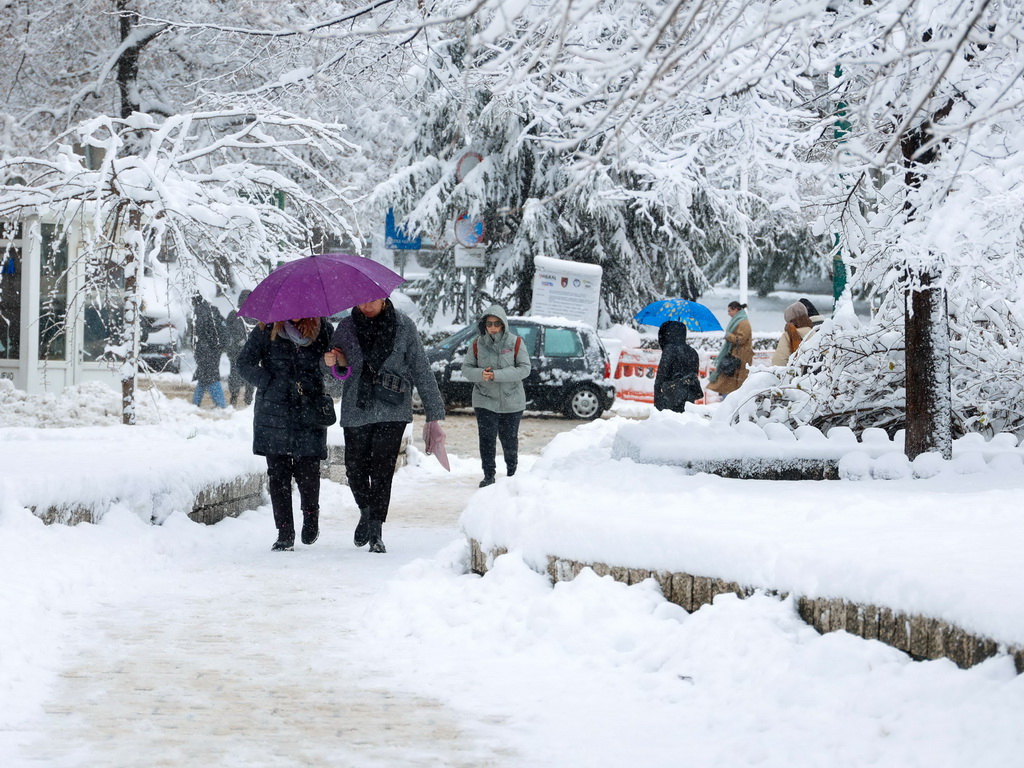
[[562, 342], [53, 298], [10, 303], [529, 336]]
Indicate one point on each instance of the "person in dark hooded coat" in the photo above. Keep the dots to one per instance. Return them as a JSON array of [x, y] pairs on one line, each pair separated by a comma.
[[236, 334], [677, 382], [207, 349], [283, 361]]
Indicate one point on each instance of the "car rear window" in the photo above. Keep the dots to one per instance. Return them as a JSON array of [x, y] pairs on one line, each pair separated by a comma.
[[562, 342]]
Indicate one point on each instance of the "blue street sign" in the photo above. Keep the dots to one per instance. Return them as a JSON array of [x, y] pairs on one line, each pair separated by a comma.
[[395, 238]]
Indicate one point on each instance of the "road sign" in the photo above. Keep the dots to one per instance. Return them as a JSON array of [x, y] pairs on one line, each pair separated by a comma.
[[395, 238], [469, 232], [467, 163]]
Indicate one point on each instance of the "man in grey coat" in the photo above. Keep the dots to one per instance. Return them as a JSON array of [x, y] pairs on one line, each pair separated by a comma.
[[497, 362]]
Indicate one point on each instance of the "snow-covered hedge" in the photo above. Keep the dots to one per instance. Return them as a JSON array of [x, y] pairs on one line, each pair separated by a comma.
[[722, 448]]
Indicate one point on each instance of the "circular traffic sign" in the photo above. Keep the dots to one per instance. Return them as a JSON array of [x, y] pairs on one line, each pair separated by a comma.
[[467, 163], [469, 232]]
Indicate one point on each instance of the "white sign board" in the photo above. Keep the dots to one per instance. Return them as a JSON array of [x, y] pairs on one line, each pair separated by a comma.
[[566, 289], [468, 257]]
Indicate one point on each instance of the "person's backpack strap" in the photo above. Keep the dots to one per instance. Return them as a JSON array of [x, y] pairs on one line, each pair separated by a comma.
[[519, 343]]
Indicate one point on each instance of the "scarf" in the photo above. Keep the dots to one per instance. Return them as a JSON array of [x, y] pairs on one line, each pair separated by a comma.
[[794, 335], [376, 337], [726, 350], [295, 335]]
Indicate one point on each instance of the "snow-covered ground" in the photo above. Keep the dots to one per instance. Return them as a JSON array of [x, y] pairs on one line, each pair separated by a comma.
[[127, 644]]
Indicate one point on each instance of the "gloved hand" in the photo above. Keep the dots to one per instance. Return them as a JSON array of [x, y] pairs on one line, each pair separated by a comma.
[[433, 441]]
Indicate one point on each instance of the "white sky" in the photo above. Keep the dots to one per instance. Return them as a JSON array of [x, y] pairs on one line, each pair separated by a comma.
[[200, 646]]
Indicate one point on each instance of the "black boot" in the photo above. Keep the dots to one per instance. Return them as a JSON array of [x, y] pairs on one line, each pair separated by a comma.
[[488, 480], [285, 542], [310, 526], [376, 542], [511, 469], [362, 534]]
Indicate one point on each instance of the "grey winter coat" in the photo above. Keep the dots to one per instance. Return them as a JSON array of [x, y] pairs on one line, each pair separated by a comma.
[[407, 360], [506, 393], [279, 369]]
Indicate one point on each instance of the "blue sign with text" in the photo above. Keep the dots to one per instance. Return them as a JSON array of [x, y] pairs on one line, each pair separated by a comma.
[[396, 238]]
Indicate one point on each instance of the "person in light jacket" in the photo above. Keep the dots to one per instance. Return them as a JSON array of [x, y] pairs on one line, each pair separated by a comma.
[[497, 362], [798, 328], [385, 359]]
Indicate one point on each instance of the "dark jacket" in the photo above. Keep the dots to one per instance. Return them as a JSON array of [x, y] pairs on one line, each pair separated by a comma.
[[677, 382], [208, 343], [236, 332], [279, 369]]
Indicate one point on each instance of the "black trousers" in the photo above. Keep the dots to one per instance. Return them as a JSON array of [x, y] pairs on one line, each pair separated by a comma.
[[280, 471], [370, 455], [236, 383], [501, 426]]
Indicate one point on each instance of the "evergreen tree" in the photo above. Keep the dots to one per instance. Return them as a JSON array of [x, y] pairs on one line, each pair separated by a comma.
[[535, 198]]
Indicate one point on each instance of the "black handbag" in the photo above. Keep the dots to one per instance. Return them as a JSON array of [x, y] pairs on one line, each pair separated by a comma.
[[318, 411], [390, 388], [729, 366]]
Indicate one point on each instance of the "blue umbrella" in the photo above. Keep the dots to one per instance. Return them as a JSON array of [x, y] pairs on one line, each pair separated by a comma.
[[696, 317]]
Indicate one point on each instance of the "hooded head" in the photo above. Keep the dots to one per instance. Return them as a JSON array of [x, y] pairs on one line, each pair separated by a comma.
[[495, 310], [671, 332], [793, 311], [811, 309]]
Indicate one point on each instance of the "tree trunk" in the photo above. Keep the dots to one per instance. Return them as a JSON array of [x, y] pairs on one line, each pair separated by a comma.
[[929, 402], [133, 260]]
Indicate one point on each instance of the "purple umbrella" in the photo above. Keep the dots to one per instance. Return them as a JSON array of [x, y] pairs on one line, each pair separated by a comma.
[[319, 286]]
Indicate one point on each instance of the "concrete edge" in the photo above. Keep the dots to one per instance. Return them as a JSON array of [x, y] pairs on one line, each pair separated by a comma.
[[919, 636]]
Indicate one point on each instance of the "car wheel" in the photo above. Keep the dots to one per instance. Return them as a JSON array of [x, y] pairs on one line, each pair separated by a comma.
[[583, 403]]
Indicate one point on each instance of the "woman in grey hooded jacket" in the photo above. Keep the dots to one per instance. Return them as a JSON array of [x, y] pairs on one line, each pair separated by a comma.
[[497, 362]]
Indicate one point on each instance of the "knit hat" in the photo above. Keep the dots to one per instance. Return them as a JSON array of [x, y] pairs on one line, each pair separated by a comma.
[[793, 311]]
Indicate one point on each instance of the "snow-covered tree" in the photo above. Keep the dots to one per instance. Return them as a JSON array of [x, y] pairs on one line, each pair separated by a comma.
[[533, 197], [924, 186], [184, 193], [183, 102]]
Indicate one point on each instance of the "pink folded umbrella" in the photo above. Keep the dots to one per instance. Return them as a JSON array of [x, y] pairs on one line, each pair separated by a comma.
[[433, 440]]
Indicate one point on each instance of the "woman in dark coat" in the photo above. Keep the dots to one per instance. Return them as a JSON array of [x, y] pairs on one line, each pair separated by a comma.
[[677, 382], [282, 361]]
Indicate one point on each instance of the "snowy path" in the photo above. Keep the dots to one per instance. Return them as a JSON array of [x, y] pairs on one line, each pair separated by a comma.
[[246, 657]]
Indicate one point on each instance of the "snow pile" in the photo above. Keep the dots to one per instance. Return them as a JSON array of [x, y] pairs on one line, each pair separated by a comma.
[[91, 403], [685, 439], [946, 547], [92, 461]]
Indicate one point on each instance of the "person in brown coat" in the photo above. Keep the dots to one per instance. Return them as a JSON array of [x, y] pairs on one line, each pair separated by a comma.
[[798, 327], [739, 343]]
